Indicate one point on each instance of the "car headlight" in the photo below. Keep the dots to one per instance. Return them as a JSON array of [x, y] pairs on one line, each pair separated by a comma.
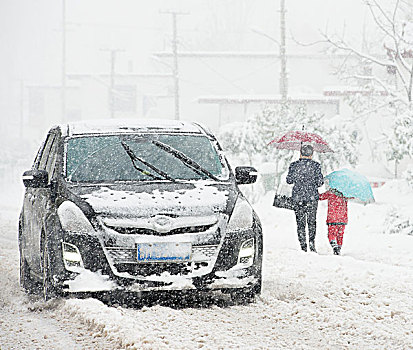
[[242, 216], [72, 218]]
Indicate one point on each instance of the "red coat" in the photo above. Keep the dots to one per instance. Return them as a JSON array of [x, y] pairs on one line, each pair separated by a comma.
[[337, 207]]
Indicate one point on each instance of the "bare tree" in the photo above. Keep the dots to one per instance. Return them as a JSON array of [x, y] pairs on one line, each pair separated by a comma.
[[383, 70], [396, 35]]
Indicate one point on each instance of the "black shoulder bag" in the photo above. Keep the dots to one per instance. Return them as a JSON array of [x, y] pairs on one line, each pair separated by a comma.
[[282, 201], [283, 198]]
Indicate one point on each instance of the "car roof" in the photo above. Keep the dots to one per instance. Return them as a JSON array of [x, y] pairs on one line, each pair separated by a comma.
[[114, 126]]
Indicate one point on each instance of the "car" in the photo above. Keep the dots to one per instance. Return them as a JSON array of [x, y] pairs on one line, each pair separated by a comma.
[[137, 206]]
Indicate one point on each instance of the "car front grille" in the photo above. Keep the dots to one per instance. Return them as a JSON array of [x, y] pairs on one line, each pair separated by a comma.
[[154, 269], [122, 255], [202, 253], [146, 231], [129, 255], [125, 260]]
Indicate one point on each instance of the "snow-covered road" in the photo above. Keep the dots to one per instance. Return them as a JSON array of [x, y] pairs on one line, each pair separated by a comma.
[[29, 323], [360, 300]]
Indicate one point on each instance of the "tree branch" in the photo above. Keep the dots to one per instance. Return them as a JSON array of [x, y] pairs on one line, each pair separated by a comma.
[[397, 40], [377, 20], [342, 45], [409, 92], [342, 65], [387, 23], [375, 109], [393, 34], [313, 43], [371, 78], [381, 10]]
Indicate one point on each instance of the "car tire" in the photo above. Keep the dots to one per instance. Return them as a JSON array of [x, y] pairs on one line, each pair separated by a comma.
[[246, 295], [26, 281], [49, 289], [243, 296]]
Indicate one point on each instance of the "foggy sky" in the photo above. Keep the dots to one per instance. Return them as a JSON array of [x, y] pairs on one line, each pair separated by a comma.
[[31, 30], [31, 34]]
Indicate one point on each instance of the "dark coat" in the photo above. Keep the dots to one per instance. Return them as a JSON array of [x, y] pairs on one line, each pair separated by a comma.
[[306, 176]]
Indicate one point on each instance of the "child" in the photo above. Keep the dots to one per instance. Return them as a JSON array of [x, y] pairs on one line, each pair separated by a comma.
[[336, 217]]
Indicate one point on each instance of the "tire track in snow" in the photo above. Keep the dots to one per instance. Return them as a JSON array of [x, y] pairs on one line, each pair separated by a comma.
[[29, 323]]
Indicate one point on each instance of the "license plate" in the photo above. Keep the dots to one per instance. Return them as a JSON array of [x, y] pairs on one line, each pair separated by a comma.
[[164, 252]]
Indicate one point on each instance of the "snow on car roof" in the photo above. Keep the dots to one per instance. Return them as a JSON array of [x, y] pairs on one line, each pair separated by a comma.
[[100, 126]]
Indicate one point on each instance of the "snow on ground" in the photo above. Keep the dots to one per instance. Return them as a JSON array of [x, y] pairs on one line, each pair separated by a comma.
[[360, 300], [28, 323]]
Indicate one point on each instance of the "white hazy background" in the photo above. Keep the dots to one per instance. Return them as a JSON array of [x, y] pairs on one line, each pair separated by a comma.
[[30, 34], [31, 54]]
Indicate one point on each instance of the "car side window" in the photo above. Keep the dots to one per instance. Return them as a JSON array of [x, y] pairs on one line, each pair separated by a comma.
[[46, 151]]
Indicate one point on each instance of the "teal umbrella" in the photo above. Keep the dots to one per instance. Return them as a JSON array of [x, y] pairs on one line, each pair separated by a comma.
[[351, 185]]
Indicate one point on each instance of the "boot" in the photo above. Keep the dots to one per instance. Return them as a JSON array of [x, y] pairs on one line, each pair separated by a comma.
[[334, 245], [337, 250], [312, 247]]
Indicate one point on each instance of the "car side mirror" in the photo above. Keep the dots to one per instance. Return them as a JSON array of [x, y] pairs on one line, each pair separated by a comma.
[[245, 175], [36, 178]]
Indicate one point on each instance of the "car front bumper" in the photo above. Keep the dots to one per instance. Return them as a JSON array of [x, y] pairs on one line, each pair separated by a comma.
[[212, 267]]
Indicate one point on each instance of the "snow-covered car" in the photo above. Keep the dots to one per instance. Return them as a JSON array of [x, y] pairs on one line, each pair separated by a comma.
[[143, 205]]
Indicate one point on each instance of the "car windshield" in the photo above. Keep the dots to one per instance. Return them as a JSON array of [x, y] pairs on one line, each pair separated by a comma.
[[142, 158]]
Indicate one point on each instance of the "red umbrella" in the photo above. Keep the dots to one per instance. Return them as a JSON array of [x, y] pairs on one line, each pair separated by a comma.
[[295, 139]]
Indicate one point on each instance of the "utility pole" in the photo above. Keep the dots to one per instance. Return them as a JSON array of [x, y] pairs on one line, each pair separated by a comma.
[[63, 92], [175, 69], [112, 80], [283, 77], [283, 56]]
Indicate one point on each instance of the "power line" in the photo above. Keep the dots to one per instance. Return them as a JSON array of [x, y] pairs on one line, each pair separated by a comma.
[[218, 73]]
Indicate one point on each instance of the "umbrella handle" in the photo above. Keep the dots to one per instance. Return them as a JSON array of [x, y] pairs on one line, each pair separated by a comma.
[[301, 144]]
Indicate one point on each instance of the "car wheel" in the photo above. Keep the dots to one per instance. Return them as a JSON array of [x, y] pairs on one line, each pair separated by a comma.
[[246, 295], [242, 296], [49, 290], [26, 281]]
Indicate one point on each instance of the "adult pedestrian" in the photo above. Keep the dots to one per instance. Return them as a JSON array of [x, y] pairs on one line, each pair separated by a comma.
[[306, 176]]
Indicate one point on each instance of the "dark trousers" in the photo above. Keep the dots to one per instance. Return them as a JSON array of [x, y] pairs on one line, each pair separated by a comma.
[[306, 213]]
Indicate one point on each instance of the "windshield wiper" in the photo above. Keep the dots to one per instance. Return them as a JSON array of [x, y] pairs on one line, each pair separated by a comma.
[[190, 163], [135, 158]]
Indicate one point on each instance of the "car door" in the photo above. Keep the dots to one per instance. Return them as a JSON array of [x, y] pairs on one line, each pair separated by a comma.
[[40, 202], [28, 224]]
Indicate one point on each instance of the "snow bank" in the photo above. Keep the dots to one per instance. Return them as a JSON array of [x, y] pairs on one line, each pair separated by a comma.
[[396, 197]]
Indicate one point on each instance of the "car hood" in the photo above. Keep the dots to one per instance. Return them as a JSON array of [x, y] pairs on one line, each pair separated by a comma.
[[144, 200]]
